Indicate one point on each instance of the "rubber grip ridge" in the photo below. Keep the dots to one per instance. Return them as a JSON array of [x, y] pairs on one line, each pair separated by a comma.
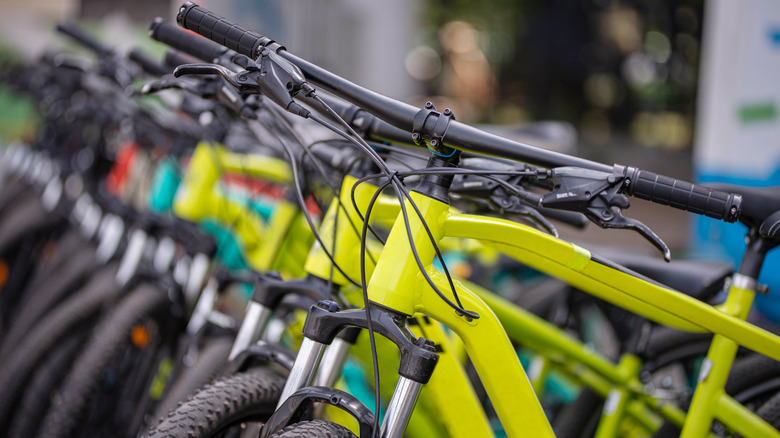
[[683, 195], [219, 30], [184, 41]]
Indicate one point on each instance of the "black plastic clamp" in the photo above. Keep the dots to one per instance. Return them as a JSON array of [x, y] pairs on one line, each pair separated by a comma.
[[260, 354], [418, 356], [295, 408], [434, 134]]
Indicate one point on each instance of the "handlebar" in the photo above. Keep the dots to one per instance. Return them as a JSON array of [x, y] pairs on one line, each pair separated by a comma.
[[683, 195], [149, 65], [219, 30], [186, 42], [643, 184], [174, 58], [362, 121], [396, 113], [84, 39]]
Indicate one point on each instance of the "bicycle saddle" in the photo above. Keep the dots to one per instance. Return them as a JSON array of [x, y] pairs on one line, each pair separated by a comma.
[[758, 205]]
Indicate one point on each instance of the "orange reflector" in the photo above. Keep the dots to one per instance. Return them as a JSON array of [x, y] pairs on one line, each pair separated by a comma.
[[140, 336], [3, 272]]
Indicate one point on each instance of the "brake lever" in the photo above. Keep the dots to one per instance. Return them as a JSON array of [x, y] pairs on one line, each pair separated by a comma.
[[198, 88], [211, 88], [271, 78], [597, 195], [238, 80], [618, 221]]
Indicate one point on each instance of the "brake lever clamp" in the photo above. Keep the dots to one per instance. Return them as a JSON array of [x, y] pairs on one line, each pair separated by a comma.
[[269, 75], [597, 195], [275, 78]]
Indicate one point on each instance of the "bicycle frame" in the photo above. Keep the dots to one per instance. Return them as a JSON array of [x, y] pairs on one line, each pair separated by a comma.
[[397, 284], [601, 375], [344, 243], [198, 200]]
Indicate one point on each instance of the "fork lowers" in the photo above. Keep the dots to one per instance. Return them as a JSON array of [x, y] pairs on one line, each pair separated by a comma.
[[438, 186]]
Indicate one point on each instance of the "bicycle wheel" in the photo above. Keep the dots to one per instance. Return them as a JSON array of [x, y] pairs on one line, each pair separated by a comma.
[[671, 355], [80, 387], [220, 409], [40, 300], [43, 384], [25, 219], [770, 411], [78, 311], [314, 429], [211, 359], [64, 247], [754, 381]]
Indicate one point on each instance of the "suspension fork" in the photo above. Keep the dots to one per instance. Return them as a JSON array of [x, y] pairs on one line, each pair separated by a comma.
[[269, 291], [334, 357], [418, 358]]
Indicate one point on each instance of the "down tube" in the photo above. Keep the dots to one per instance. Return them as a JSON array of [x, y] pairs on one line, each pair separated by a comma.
[[493, 356]]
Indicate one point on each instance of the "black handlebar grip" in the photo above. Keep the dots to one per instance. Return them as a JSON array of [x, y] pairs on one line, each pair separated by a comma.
[[184, 41], [83, 38], [683, 195], [148, 64], [219, 30]]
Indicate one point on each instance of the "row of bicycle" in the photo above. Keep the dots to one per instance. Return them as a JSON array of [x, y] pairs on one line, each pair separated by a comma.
[[255, 246]]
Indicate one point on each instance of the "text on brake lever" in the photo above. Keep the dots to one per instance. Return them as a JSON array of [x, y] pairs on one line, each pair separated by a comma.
[[597, 195]]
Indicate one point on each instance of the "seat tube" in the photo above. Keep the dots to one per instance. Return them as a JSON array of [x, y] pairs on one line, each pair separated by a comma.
[[717, 365], [712, 379], [615, 406]]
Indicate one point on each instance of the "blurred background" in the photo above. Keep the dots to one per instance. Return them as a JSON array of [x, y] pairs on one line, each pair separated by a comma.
[[688, 88], [623, 73]]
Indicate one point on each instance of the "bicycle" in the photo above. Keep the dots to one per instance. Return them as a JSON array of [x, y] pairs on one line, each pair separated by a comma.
[[582, 268]]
